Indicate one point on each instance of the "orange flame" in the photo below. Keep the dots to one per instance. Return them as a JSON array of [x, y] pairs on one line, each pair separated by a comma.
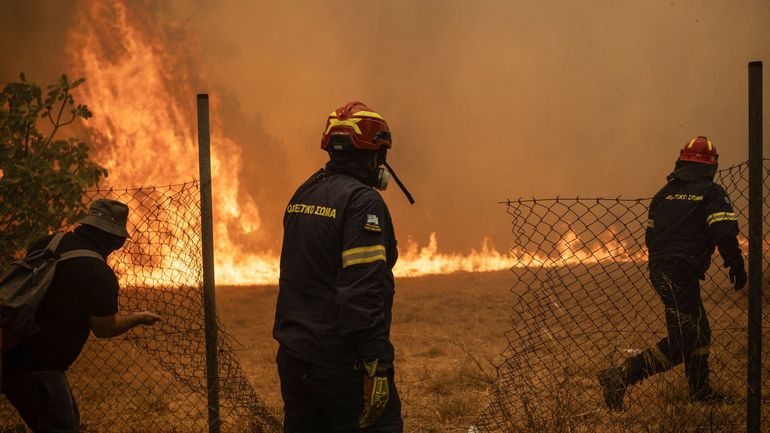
[[135, 86], [415, 261], [142, 94]]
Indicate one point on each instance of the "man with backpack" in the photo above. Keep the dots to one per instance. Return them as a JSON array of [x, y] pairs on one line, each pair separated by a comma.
[[82, 297]]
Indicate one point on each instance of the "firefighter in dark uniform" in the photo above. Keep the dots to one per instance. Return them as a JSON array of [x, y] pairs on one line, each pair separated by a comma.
[[333, 315], [688, 218]]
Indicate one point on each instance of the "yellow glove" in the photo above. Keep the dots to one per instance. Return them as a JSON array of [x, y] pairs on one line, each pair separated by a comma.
[[376, 394]]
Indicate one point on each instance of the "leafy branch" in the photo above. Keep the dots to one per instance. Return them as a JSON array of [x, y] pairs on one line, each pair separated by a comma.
[[44, 178]]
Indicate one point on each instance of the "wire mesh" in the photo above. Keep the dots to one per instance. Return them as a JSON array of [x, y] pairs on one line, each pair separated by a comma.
[[153, 379], [583, 303]]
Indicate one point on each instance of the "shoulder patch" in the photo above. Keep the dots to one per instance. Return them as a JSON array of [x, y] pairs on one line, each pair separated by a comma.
[[372, 223]]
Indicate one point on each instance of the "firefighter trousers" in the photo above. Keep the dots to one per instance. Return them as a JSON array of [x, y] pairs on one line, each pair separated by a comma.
[[320, 399], [677, 283]]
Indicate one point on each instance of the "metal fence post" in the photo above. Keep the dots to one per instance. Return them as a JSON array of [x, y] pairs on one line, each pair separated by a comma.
[[207, 242], [756, 216]]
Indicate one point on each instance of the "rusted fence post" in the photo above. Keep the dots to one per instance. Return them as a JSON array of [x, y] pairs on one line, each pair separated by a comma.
[[207, 244]]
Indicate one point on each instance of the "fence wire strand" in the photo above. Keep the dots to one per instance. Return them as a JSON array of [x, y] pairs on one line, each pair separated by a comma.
[[583, 303], [153, 379]]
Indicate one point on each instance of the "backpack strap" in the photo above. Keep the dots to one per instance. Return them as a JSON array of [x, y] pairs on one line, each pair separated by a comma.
[[54, 243], [80, 253]]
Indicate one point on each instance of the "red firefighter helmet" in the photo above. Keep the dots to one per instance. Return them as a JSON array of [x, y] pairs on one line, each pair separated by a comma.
[[364, 127], [699, 149]]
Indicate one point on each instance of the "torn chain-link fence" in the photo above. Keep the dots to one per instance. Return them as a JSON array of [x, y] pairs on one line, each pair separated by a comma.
[[583, 303]]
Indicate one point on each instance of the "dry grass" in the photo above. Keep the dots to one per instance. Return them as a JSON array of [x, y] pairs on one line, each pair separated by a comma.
[[446, 331], [552, 385]]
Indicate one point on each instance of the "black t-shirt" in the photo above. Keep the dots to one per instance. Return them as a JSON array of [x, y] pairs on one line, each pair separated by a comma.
[[81, 287]]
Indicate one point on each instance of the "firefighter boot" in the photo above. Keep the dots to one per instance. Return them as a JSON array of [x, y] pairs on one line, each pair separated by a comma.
[[614, 381], [697, 371], [614, 387]]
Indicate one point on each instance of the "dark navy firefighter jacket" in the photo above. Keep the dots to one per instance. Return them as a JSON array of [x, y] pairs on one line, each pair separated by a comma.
[[688, 217], [336, 285]]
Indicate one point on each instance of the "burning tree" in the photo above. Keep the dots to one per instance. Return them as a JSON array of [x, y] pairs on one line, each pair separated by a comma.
[[42, 178]]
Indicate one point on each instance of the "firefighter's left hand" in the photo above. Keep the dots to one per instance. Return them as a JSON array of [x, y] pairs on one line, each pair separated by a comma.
[[376, 394], [738, 275]]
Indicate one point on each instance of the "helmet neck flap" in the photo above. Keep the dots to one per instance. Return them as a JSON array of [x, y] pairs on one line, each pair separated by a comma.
[[361, 164], [689, 171]]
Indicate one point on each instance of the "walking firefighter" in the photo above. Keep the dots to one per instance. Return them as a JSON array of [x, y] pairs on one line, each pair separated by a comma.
[[688, 218]]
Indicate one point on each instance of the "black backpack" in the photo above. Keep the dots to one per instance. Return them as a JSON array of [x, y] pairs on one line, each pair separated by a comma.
[[24, 287]]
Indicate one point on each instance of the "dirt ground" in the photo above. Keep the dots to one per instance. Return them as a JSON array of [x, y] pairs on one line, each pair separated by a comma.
[[446, 330]]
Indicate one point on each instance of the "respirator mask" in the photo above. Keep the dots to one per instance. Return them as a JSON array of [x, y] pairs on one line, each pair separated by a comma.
[[385, 173], [379, 172], [383, 179]]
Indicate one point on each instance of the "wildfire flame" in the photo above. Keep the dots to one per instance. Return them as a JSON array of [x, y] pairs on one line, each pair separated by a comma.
[[414, 261], [142, 94], [138, 88]]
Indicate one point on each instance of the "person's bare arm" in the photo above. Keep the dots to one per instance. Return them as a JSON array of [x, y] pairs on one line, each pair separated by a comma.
[[117, 324]]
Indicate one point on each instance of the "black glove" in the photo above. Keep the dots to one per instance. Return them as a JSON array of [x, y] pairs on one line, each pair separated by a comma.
[[737, 274], [376, 393]]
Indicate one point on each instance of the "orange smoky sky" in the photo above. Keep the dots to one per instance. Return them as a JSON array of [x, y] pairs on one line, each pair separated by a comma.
[[487, 100]]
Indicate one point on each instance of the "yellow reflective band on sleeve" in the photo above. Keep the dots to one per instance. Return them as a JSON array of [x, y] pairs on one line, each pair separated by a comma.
[[355, 256], [650, 224], [721, 216]]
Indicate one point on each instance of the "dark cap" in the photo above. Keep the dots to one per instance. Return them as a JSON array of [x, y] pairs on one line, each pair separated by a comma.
[[108, 215]]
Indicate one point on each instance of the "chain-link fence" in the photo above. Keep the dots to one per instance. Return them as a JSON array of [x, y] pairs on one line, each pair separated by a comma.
[[584, 303], [153, 379]]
